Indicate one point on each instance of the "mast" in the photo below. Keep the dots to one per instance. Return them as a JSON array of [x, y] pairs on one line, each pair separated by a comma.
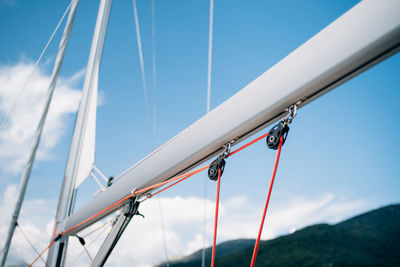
[[81, 155], [27, 172], [362, 37]]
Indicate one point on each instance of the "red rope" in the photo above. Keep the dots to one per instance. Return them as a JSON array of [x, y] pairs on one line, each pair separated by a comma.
[[248, 144], [171, 180], [185, 176], [253, 259], [97, 214], [216, 218], [165, 188], [181, 178], [41, 253]]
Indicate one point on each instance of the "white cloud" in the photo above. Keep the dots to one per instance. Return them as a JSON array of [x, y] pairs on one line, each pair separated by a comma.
[[17, 134], [36, 215], [142, 242], [239, 218]]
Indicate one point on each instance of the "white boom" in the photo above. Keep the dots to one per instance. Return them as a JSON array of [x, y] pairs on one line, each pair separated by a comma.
[[365, 35]]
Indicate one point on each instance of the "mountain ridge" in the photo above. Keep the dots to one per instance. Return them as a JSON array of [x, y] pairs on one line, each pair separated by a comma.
[[368, 239]]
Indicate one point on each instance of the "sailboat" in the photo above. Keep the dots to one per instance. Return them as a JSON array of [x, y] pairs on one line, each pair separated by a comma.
[[333, 56]]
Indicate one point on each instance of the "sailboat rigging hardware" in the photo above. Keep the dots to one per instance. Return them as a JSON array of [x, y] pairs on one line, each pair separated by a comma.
[[81, 240], [110, 181], [214, 173], [275, 134], [219, 163], [58, 237], [281, 129], [275, 140], [130, 209], [83, 243], [292, 112]]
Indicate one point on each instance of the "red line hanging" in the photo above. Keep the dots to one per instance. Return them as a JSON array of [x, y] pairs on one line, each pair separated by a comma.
[[216, 218], [253, 259]]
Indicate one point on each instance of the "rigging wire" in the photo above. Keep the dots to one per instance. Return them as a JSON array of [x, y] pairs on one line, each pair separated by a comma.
[[7, 116], [82, 241], [163, 232], [154, 125], [139, 41], [210, 35], [42, 252], [153, 117], [90, 244], [30, 243], [98, 228], [153, 35]]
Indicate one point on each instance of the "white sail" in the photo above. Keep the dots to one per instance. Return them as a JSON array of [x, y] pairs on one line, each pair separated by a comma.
[[86, 157]]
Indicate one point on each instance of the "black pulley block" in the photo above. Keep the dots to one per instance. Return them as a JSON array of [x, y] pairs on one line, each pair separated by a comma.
[[218, 164], [275, 134]]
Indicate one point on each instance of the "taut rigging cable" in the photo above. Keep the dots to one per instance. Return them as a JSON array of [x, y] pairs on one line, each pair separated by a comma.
[[149, 117], [92, 242], [210, 35], [6, 117], [30, 243], [139, 41]]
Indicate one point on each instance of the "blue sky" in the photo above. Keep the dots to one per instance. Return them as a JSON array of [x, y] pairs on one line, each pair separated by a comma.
[[342, 150]]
